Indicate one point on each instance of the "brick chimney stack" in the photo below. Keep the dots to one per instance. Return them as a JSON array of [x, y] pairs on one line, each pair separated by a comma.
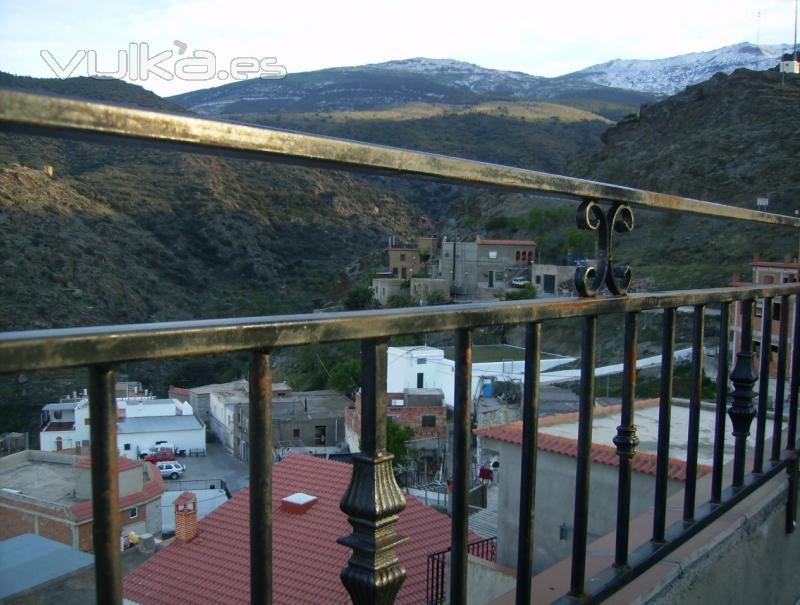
[[186, 517]]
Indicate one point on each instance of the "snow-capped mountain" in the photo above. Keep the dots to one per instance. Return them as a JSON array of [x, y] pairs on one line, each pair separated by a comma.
[[671, 75], [446, 81]]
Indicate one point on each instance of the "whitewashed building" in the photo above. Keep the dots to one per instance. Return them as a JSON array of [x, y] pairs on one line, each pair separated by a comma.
[[424, 367], [140, 423]]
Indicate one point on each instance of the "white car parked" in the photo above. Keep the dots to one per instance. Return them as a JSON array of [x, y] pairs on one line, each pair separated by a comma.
[[171, 469]]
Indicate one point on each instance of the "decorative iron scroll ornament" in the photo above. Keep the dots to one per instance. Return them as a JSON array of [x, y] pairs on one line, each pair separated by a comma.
[[590, 278]]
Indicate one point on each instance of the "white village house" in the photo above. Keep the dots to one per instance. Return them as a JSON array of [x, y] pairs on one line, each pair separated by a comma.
[[141, 422], [424, 367]]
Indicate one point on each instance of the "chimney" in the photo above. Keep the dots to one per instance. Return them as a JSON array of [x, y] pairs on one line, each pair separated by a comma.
[[298, 503], [186, 517]]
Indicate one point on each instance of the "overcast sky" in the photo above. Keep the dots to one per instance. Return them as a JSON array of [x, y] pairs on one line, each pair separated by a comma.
[[546, 38]]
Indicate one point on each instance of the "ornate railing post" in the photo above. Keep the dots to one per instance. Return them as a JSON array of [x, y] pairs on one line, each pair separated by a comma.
[[589, 279], [373, 499], [742, 410]]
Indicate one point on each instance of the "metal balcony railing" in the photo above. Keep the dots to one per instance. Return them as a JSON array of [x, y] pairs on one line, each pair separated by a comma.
[[373, 500], [485, 549]]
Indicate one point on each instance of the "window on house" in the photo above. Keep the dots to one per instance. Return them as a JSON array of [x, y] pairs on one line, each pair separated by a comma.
[[776, 311], [296, 433], [57, 414], [394, 271], [127, 447], [402, 257], [492, 253], [403, 272], [756, 348], [422, 361], [768, 279], [428, 420], [319, 435], [133, 512], [87, 421], [518, 255], [538, 279], [420, 379], [759, 308], [394, 418]]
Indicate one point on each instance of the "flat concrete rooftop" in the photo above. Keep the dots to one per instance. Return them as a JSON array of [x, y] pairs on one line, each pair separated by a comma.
[[44, 480]]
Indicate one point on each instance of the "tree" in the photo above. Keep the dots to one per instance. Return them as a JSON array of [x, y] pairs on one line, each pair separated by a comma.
[[346, 376], [396, 437], [526, 292], [396, 301], [359, 297], [436, 298]]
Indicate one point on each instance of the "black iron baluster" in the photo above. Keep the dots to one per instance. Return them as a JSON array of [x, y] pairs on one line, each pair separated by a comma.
[[461, 466], [373, 499], [742, 411], [763, 384], [626, 439], [664, 419], [780, 387], [698, 326], [106, 527], [583, 469], [530, 428], [722, 400], [794, 387], [260, 427]]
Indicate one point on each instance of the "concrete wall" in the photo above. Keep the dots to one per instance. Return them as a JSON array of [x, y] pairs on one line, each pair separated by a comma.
[[555, 496], [283, 431], [559, 274], [753, 560], [142, 442], [383, 288], [422, 288]]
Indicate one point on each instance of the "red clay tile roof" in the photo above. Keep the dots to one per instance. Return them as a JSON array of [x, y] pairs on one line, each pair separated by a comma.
[[643, 462], [152, 490], [506, 242], [180, 391], [184, 498], [215, 566], [123, 464]]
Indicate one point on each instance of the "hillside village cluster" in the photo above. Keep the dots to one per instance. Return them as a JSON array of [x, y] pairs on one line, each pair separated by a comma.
[[436, 270], [165, 503]]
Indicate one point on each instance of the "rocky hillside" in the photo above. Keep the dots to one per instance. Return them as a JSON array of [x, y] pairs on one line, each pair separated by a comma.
[[122, 234], [731, 140]]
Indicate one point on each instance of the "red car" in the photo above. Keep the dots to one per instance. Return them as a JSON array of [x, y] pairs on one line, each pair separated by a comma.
[[161, 456]]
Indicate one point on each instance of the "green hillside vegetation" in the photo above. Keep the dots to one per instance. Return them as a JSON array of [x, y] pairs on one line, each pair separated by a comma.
[[545, 142]]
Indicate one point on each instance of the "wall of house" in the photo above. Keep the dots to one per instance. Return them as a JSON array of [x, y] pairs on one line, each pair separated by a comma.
[[201, 404], [283, 431], [422, 288], [22, 515], [137, 408], [403, 366], [558, 274], [555, 496], [382, 289], [222, 415], [412, 418], [404, 259], [142, 442]]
